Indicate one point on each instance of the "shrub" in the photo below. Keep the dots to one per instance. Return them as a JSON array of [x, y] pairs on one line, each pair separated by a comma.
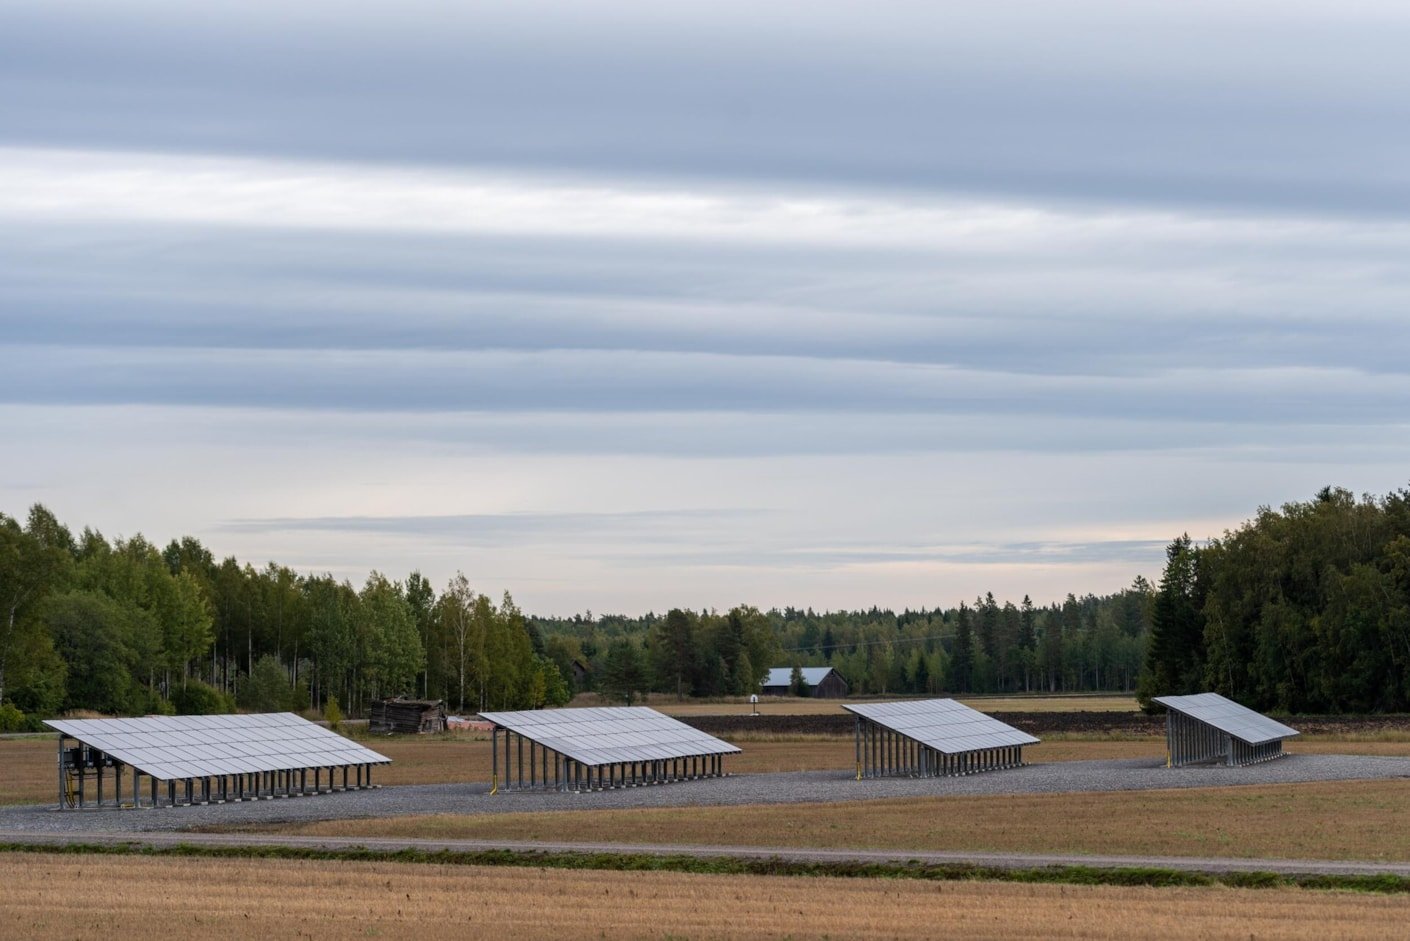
[[332, 714], [157, 705], [12, 720], [267, 688], [194, 698]]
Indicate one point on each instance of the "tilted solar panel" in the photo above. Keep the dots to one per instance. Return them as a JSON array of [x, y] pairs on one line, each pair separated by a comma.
[[947, 726], [1228, 716], [611, 735], [173, 747]]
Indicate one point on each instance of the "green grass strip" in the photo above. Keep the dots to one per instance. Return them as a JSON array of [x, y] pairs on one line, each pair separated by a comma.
[[733, 865]]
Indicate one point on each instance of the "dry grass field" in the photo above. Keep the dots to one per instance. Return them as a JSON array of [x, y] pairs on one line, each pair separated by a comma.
[[27, 765], [94, 897], [27, 770], [1340, 820], [795, 706]]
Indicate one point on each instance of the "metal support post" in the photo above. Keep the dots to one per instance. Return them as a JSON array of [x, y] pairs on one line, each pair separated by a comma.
[[59, 763]]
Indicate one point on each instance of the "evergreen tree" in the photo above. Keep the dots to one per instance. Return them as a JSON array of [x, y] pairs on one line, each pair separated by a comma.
[[624, 674], [1028, 641], [988, 625], [1052, 652], [674, 652], [962, 654], [1175, 655], [797, 684]]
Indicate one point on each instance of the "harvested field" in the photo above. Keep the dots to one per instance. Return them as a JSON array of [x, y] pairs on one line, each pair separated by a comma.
[[27, 770], [103, 897], [1364, 820], [797, 706], [1041, 703]]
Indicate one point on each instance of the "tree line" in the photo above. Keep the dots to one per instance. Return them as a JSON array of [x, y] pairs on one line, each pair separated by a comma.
[[123, 627], [1081, 644], [1306, 608], [1301, 609]]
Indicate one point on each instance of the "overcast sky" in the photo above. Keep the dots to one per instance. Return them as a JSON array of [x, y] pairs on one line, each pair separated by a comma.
[[623, 306]]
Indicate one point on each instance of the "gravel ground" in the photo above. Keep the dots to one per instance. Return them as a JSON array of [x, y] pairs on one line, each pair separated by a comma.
[[794, 787]]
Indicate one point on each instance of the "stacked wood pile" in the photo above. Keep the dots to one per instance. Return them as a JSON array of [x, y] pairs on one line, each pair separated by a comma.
[[407, 715]]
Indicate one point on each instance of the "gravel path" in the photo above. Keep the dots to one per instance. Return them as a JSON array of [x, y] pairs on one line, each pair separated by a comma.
[[794, 787]]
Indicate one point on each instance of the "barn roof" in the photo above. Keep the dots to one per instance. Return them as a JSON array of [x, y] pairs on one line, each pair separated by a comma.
[[782, 676]]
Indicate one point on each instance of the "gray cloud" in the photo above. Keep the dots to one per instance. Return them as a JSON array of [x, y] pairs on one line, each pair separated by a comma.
[[1235, 104], [504, 529], [1139, 554], [1115, 311], [597, 381]]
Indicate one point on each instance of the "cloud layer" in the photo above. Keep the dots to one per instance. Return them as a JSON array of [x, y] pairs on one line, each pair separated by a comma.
[[622, 307]]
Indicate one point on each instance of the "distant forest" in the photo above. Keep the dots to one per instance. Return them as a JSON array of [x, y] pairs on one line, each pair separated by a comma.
[[1305, 608]]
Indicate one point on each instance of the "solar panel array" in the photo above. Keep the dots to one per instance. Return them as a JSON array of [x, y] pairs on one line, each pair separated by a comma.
[[174, 747], [611, 735], [1228, 716], [946, 726]]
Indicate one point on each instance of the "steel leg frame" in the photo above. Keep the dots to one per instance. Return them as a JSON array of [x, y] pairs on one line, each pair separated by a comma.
[[1189, 741], [882, 752]]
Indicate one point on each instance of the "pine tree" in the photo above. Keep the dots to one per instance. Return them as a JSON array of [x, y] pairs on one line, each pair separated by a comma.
[[988, 625], [962, 654], [1052, 652], [1175, 655], [624, 672], [673, 652], [797, 683]]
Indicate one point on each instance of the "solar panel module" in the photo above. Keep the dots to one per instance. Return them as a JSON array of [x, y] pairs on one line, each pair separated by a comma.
[[205, 759], [932, 738], [1208, 727], [592, 749]]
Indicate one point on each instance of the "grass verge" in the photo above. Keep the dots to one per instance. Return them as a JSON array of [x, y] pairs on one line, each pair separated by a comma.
[[1150, 877]]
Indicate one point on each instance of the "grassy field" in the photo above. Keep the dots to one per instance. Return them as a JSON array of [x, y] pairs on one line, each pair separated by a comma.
[[1341, 820], [106, 897], [27, 775]]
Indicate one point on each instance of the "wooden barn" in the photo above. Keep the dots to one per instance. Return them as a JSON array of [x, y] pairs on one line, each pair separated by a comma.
[[823, 683], [407, 715]]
